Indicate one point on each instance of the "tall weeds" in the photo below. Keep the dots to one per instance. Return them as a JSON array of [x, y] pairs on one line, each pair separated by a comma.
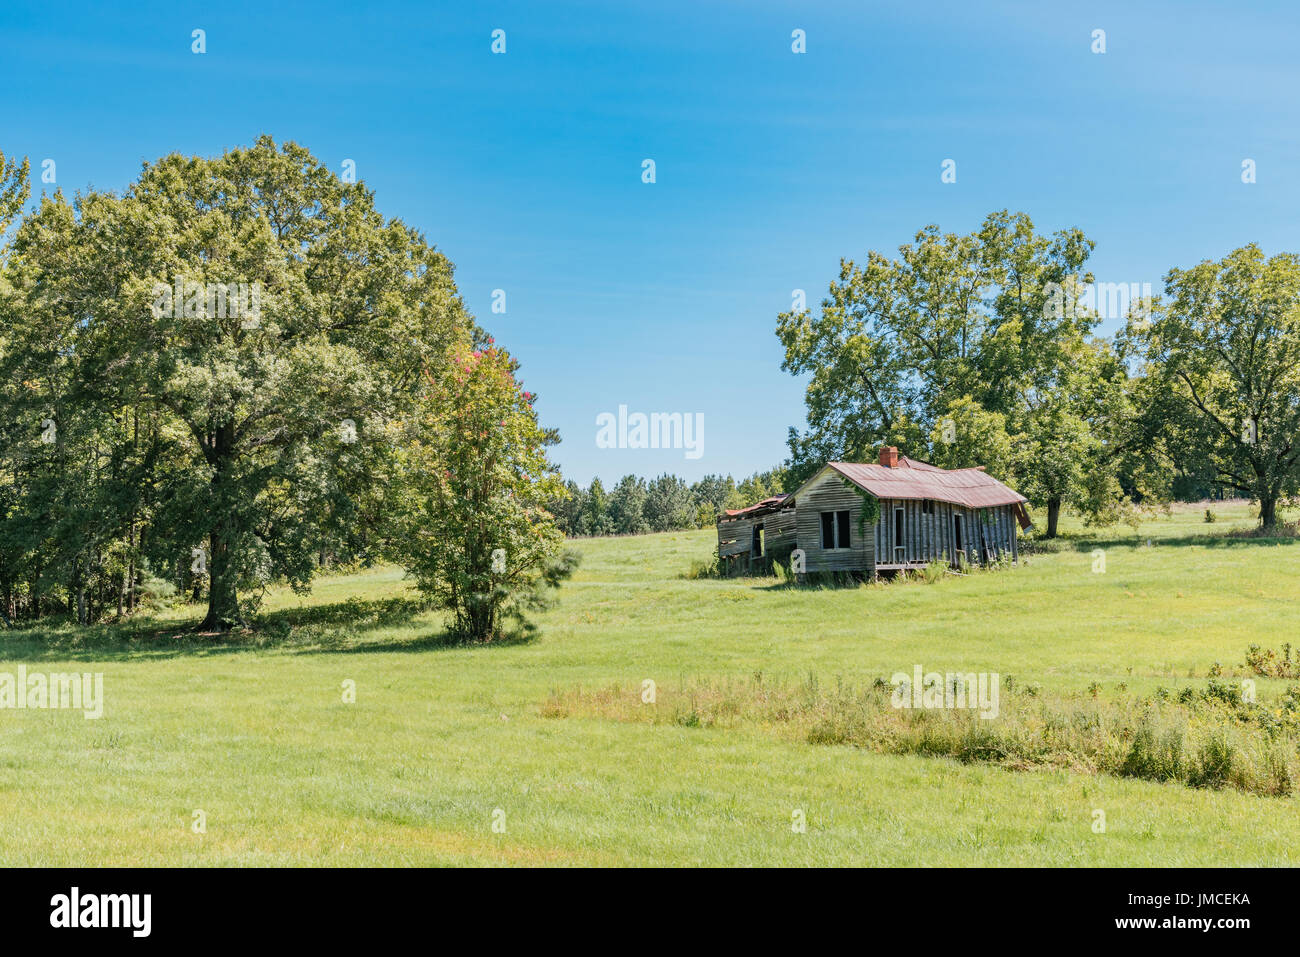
[[1202, 737]]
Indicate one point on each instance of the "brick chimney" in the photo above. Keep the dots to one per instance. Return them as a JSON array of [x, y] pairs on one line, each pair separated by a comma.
[[889, 456]]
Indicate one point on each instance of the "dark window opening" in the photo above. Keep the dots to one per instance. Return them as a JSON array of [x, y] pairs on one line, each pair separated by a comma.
[[898, 528], [756, 546], [956, 533], [835, 530], [927, 507]]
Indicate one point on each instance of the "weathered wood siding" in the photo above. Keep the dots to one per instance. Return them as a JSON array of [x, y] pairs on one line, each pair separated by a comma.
[[926, 535], [831, 493], [780, 533], [995, 534], [986, 534], [735, 538]]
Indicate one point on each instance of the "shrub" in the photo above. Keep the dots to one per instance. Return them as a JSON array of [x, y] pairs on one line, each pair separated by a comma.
[[156, 592], [1216, 760], [471, 524], [1266, 663], [710, 569], [1156, 754], [1277, 777]]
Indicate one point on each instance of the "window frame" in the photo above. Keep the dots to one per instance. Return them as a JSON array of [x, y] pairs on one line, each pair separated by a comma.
[[834, 521]]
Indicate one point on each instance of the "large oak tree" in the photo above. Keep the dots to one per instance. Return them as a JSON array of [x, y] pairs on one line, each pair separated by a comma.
[[1222, 361], [259, 438], [959, 350]]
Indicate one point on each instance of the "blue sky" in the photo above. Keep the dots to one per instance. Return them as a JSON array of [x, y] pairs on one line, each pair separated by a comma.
[[525, 168]]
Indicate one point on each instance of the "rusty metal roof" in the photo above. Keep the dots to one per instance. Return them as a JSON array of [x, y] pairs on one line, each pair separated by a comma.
[[768, 504], [971, 488]]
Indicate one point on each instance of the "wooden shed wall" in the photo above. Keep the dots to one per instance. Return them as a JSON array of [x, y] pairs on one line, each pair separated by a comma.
[[780, 532], [995, 536], [832, 494], [928, 537], [735, 537]]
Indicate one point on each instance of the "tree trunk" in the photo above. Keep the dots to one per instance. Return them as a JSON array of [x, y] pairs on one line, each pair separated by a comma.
[[1053, 516], [1267, 510], [223, 602]]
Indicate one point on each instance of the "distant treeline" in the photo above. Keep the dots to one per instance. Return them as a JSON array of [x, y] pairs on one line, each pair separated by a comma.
[[636, 505]]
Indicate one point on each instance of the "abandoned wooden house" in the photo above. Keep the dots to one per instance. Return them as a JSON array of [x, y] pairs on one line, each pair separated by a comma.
[[896, 514]]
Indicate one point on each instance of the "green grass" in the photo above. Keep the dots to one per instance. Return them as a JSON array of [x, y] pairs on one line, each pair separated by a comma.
[[255, 733]]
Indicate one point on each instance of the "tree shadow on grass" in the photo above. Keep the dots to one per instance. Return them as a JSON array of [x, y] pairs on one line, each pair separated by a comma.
[[348, 627]]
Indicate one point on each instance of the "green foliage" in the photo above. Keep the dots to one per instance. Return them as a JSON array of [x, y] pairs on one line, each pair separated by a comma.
[[15, 188], [1222, 360], [706, 515], [976, 350], [869, 511], [763, 485], [471, 524], [156, 592], [1156, 754], [979, 438], [668, 504], [951, 319], [1267, 663], [935, 571], [147, 422], [717, 492], [627, 506], [705, 569]]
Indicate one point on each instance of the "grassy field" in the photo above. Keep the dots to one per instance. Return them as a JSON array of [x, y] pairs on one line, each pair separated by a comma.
[[440, 741]]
